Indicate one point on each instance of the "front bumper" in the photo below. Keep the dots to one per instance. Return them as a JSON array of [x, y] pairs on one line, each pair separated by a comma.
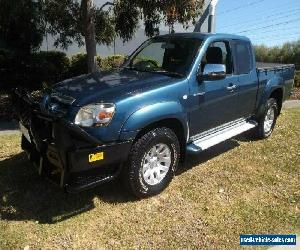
[[64, 152]]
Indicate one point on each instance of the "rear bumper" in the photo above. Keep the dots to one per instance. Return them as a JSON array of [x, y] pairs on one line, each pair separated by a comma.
[[67, 154]]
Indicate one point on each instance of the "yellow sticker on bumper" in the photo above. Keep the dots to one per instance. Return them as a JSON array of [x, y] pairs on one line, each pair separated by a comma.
[[96, 157]]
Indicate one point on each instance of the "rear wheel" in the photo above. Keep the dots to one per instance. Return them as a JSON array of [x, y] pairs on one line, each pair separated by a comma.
[[268, 120], [152, 162]]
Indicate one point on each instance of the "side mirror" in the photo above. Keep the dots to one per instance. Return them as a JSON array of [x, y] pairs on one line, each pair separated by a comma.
[[212, 72]]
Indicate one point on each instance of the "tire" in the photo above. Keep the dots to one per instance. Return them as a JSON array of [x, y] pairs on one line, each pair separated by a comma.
[[268, 120], [152, 162]]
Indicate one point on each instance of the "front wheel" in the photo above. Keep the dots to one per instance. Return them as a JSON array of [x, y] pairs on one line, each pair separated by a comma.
[[267, 122], [152, 162]]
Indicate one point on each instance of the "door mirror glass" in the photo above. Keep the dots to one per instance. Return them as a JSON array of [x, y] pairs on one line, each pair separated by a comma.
[[212, 72]]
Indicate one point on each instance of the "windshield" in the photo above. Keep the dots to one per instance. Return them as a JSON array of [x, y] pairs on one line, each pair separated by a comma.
[[173, 56]]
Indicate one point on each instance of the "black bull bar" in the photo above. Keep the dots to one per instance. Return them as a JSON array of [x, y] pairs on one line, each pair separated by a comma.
[[56, 142]]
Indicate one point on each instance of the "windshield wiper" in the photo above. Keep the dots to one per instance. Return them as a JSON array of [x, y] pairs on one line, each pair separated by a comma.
[[136, 69], [130, 67], [165, 72], [168, 73]]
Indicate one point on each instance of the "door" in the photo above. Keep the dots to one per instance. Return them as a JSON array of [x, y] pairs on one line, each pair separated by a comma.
[[247, 77], [214, 102]]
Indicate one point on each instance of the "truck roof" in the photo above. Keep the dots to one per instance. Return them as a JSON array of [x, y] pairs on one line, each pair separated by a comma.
[[202, 36]]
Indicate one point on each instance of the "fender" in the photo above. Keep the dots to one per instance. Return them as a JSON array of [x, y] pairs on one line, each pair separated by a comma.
[[150, 114], [272, 85]]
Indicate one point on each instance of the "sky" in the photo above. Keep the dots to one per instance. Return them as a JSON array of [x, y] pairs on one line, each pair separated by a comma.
[[269, 22]]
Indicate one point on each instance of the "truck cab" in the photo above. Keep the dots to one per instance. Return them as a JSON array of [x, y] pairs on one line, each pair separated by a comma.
[[176, 95]]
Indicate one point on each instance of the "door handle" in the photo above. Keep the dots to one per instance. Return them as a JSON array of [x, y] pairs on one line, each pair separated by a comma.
[[199, 94], [231, 87]]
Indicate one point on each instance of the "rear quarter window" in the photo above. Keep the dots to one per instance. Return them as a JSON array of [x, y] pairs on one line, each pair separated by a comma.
[[243, 57]]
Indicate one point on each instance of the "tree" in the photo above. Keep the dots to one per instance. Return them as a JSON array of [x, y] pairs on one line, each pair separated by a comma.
[[21, 33], [89, 33], [69, 20], [287, 53], [21, 26]]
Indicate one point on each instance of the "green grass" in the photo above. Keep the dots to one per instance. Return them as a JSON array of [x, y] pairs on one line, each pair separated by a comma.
[[240, 186]]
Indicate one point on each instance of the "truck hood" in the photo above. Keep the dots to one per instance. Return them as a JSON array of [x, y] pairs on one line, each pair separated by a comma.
[[108, 86]]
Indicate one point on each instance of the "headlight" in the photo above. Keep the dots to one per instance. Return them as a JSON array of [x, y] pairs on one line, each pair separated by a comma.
[[95, 115]]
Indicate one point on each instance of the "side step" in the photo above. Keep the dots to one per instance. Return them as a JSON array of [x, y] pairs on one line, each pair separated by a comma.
[[217, 135]]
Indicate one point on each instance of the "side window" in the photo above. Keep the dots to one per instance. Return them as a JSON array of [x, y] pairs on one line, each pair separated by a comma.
[[243, 57], [218, 53]]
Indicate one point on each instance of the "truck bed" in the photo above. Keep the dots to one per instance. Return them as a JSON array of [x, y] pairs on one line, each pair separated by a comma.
[[272, 66], [268, 72]]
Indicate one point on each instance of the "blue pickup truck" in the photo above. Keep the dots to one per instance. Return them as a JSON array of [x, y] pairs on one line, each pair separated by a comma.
[[176, 95]]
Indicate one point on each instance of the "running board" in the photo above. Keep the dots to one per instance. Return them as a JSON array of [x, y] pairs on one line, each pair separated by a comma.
[[215, 136]]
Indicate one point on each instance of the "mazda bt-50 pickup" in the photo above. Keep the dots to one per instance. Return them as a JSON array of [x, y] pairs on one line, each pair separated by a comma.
[[176, 95]]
